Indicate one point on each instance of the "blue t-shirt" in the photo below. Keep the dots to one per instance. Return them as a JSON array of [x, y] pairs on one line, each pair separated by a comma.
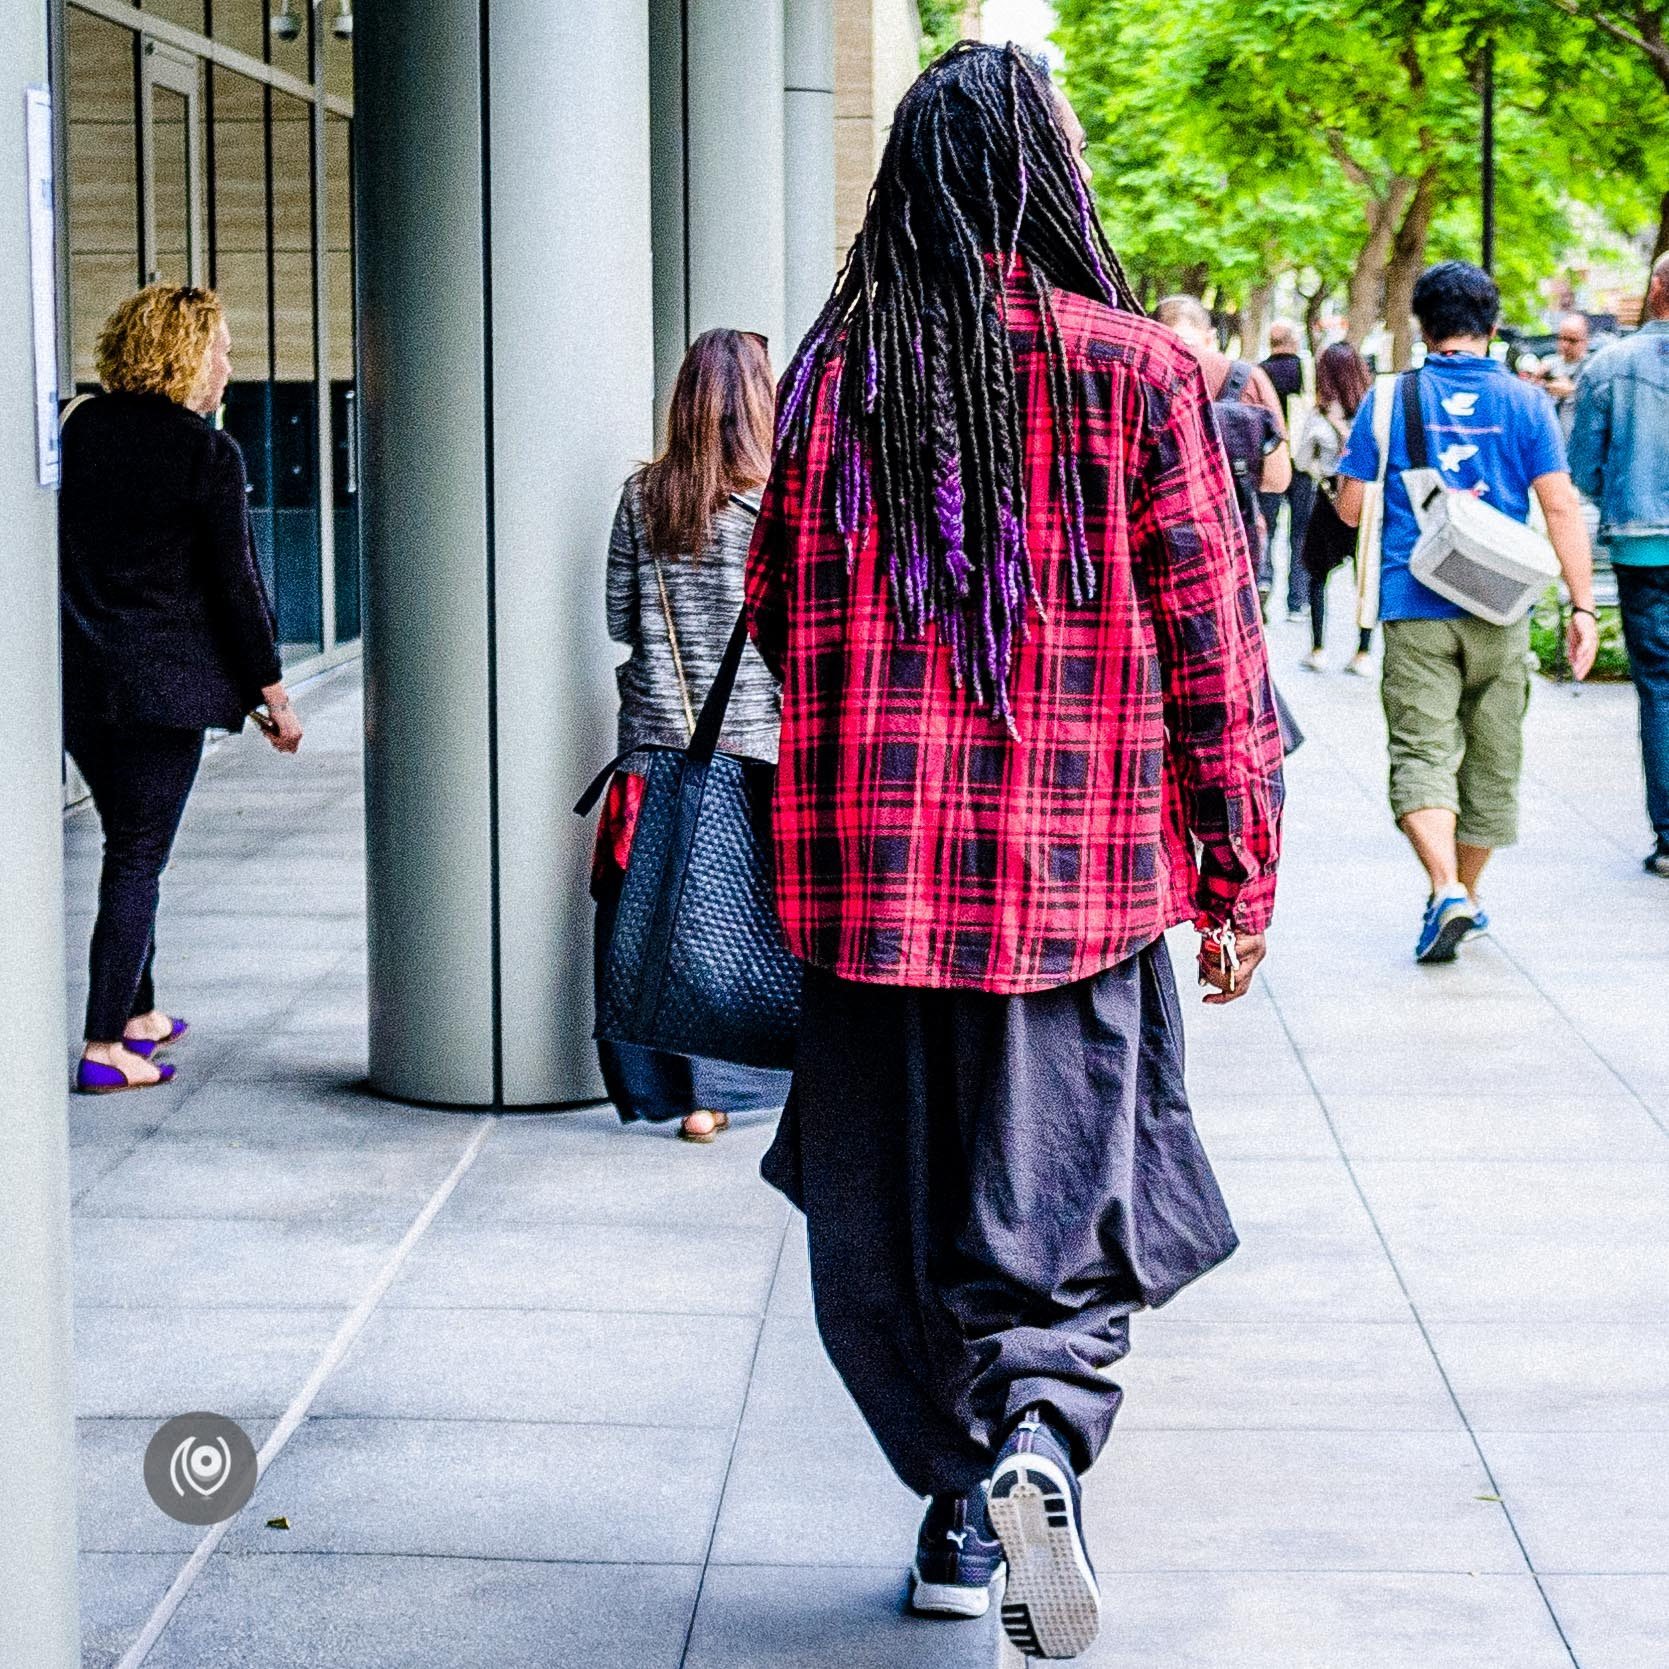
[[1486, 430]]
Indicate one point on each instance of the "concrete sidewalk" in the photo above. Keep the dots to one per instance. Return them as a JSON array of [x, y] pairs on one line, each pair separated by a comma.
[[1420, 1421]]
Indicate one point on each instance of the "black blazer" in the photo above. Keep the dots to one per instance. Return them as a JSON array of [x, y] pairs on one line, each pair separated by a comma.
[[165, 618]]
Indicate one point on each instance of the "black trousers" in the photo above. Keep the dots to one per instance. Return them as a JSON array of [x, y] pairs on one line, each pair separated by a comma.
[[992, 1185], [141, 778], [1300, 498]]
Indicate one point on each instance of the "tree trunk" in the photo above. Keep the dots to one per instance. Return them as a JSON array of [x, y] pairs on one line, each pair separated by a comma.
[[1408, 256], [1367, 278], [1254, 319], [1313, 306]]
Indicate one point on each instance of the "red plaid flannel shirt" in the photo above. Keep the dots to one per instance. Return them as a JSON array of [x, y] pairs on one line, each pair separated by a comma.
[[917, 842]]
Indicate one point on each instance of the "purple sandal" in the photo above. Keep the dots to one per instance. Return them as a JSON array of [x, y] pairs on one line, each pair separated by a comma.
[[145, 1047], [95, 1078]]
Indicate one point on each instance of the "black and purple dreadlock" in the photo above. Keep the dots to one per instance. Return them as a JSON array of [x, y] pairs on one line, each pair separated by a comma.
[[928, 422]]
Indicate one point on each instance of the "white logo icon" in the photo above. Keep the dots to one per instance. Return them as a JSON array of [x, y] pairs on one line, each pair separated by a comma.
[[1452, 457], [1460, 405], [202, 1466]]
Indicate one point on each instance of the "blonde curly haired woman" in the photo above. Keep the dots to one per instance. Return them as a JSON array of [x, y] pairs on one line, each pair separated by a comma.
[[167, 631]]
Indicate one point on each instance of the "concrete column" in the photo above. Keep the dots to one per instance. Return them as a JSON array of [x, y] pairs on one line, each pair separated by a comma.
[[808, 164], [506, 381], [38, 1621], [718, 115]]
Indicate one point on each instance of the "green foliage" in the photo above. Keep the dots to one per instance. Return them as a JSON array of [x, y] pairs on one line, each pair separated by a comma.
[[941, 26], [1547, 641], [1236, 140]]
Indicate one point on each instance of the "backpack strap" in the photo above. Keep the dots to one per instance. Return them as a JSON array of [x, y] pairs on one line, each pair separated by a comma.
[[1413, 421], [1234, 384]]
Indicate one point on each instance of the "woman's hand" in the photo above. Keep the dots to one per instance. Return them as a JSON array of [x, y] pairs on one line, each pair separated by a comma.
[[285, 730]]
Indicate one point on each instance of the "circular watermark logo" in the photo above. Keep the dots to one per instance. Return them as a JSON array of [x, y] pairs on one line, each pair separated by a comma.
[[200, 1468]]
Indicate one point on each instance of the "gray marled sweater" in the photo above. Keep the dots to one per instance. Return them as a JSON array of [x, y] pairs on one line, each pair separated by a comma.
[[706, 597]]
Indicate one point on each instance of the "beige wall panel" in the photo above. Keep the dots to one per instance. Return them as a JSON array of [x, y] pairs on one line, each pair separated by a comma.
[[339, 301], [293, 316], [103, 210], [240, 193], [292, 177], [854, 169], [187, 13], [852, 58], [242, 284], [97, 283], [236, 98], [100, 58], [338, 199]]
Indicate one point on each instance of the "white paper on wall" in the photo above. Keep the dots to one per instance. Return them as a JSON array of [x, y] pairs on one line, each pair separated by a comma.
[[43, 279]]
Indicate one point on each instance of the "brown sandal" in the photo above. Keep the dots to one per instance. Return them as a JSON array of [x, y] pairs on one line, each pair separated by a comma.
[[721, 1121]]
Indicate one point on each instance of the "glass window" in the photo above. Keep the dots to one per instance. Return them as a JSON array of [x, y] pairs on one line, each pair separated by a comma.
[[263, 268], [336, 18], [339, 293], [275, 30], [189, 14], [295, 387], [102, 180], [191, 172], [171, 201]]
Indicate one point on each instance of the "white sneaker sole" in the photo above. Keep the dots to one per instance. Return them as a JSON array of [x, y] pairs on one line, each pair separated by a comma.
[[1051, 1607], [942, 1599]]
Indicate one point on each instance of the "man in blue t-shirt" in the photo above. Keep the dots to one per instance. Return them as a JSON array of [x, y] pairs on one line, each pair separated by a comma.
[[1455, 687]]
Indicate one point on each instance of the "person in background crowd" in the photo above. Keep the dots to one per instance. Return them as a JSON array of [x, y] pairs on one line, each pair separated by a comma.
[[1561, 375], [1027, 726], [675, 571], [1342, 383], [1285, 369], [1239, 381], [1455, 687], [167, 632], [1620, 458]]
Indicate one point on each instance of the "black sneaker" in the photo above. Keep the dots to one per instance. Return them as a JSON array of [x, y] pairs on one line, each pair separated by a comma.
[[1051, 1606], [1658, 862], [957, 1559]]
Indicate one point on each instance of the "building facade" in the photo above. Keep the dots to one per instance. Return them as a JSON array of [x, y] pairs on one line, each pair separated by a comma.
[[462, 245]]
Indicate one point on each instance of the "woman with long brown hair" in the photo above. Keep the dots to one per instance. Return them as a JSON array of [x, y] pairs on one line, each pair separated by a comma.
[[1342, 381], [675, 570]]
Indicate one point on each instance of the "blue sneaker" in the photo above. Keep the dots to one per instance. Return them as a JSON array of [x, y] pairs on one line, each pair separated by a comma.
[[1480, 920], [1051, 1605], [1449, 918], [957, 1559]]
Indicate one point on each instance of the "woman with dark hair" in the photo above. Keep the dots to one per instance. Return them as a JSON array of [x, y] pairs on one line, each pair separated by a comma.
[[1342, 382], [167, 632], [1027, 727], [675, 571]]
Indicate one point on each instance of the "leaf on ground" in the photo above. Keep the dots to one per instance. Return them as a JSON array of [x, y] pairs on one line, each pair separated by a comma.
[[1486, 1497], [278, 1524]]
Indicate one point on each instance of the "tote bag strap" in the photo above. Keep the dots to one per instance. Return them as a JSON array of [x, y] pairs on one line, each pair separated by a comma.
[[704, 744]]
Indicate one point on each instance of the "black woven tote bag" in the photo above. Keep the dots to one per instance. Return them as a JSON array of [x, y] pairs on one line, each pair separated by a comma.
[[698, 964]]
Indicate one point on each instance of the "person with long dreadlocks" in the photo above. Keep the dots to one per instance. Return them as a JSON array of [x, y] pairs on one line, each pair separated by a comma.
[[1027, 727]]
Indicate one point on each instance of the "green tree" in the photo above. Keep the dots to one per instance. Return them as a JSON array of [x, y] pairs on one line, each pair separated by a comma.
[[1264, 136], [1608, 95]]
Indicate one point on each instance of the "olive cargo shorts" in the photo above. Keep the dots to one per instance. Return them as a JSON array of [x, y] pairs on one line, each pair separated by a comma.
[[1455, 692]]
